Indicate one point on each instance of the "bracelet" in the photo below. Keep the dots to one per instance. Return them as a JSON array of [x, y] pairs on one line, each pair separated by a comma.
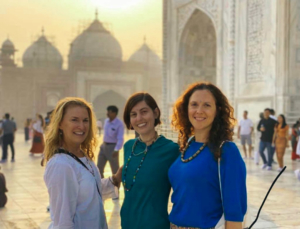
[[111, 179]]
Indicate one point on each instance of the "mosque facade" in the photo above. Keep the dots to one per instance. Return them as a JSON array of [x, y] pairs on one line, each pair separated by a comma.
[[96, 72], [250, 49]]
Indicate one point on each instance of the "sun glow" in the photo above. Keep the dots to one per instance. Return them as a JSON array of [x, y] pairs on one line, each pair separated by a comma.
[[116, 4]]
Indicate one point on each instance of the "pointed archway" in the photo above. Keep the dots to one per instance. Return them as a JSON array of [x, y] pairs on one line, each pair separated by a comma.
[[198, 51], [102, 101]]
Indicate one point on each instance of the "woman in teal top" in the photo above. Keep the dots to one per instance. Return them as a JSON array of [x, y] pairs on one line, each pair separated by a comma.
[[147, 160]]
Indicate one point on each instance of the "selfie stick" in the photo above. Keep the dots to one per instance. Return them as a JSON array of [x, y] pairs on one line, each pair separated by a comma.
[[266, 197]]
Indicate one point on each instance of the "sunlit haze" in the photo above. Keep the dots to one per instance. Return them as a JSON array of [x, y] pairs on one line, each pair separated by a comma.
[[129, 21], [118, 4]]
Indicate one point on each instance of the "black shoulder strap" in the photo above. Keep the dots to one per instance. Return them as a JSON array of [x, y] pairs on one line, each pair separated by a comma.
[[60, 150]]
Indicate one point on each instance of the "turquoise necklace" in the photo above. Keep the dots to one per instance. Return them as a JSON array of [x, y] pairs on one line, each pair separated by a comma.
[[141, 163]]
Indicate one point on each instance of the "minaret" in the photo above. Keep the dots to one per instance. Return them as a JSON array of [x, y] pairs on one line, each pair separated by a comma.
[[7, 56], [96, 14]]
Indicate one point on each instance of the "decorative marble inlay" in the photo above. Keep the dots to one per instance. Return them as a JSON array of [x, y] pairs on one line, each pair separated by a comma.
[[210, 7], [52, 98], [298, 15], [232, 60], [197, 52], [295, 104], [255, 29], [298, 55]]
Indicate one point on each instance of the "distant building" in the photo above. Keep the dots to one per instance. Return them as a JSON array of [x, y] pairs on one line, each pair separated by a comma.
[[95, 72]]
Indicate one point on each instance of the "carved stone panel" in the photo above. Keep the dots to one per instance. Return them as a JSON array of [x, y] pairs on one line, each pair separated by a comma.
[[52, 98], [298, 15], [197, 51], [295, 104], [255, 30], [298, 55], [210, 7]]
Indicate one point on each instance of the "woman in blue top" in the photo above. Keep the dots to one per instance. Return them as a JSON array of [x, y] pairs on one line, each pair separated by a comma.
[[147, 160], [204, 111]]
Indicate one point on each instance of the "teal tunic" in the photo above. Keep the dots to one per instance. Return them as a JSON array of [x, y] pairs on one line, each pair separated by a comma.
[[145, 206]]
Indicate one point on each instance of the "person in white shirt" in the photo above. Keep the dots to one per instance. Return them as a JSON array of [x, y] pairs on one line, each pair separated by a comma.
[[272, 114], [74, 184], [245, 132]]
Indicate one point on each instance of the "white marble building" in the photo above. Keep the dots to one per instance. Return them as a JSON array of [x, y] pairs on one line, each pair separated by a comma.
[[250, 49]]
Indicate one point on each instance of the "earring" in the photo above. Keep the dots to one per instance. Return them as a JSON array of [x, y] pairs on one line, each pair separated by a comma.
[[60, 132]]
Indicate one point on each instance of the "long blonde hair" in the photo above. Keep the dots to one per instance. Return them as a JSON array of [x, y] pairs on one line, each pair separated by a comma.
[[54, 138]]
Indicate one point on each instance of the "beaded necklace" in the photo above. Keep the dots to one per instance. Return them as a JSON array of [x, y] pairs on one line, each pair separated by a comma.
[[139, 138], [139, 167], [195, 154]]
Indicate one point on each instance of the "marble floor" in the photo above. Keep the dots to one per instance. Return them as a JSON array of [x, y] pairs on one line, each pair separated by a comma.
[[28, 198]]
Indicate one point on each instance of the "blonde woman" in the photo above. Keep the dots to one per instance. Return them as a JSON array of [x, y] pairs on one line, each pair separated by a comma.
[[74, 184]]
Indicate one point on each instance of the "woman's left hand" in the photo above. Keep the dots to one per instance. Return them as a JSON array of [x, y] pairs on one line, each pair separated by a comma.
[[119, 174], [117, 178]]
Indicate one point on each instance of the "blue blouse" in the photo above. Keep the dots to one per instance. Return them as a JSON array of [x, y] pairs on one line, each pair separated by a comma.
[[196, 194]]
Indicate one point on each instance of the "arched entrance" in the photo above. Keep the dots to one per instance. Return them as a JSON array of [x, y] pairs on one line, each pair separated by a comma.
[[106, 99], [197, 51]]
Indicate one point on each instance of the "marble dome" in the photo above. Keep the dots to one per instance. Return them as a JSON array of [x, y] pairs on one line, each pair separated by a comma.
[[42, 54], [147, 56], [7, 44], [95, 44]]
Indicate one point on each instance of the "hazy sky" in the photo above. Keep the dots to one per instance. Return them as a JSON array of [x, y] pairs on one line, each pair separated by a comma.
[[130, 21]]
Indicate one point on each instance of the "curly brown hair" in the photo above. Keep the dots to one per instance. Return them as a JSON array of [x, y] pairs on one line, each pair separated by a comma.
[[222, 125]]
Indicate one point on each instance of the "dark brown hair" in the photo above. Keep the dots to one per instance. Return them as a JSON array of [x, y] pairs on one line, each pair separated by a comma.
[[221, 127], [135, 99]]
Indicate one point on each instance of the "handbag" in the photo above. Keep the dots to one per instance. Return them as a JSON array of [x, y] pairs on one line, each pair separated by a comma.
[[221, 223]]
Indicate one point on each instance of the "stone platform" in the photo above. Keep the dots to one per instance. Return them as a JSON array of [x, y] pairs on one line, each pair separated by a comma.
[[28, 197]]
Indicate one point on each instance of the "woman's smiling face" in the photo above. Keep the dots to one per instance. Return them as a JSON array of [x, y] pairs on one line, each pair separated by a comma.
[[202, 110], [75, 125], [142, 118]]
